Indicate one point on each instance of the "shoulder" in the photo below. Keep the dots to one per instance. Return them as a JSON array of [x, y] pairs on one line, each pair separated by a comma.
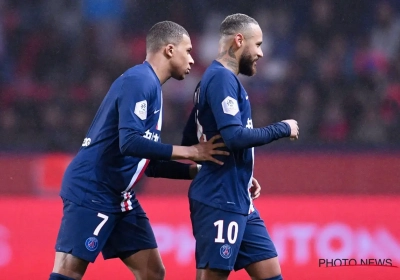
[[141, 74], [139, 77], [217, 71], [219, 76]]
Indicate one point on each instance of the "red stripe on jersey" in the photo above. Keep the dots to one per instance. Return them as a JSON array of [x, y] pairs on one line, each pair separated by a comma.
[[127, 194], [126, 197], [141, 173]]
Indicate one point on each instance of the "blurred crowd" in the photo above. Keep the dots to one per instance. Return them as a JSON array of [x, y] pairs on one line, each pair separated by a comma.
[[333, 65]]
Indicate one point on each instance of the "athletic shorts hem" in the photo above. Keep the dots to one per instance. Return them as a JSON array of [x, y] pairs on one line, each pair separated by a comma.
[[78, 255], [122, 255], [255, 259], [216, 266]]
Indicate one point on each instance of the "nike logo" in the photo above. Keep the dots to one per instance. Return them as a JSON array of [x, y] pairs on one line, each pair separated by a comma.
[[95, 201], [247, 97], [156, 111]]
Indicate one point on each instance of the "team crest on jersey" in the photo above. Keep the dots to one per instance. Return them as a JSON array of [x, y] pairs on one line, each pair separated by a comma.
[[91, 244], [225, 251], [141, 109], [230, 106]]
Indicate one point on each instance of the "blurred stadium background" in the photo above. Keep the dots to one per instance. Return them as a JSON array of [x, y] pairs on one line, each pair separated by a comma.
[[333, 65]]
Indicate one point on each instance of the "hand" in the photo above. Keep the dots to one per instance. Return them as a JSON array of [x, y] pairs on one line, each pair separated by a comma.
[[255, 188], [294, 129], [204, 151]]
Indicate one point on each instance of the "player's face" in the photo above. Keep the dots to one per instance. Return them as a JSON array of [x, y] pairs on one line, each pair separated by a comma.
[[181, 61], [251, 52]]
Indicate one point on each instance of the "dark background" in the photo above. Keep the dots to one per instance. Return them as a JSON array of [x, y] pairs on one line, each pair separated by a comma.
[[332, 65]]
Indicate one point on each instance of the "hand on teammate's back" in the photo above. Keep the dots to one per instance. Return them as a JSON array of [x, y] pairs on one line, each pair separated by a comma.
[[294, 129], [207, 149]]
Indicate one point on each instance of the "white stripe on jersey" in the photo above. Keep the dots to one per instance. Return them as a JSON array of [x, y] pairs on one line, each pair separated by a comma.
[[126, 203], [251, 208], [159, 123], [139, 169]]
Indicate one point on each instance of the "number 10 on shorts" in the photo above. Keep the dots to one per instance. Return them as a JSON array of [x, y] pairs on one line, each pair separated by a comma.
[[231, 233]]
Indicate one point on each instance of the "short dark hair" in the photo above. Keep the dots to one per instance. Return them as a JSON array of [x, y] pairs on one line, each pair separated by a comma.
[[235, 23], [163, 33]]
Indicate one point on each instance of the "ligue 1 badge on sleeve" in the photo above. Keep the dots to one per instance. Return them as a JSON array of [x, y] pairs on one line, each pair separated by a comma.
[[225, 251], [230, 106], [141, 109], [91, 244]]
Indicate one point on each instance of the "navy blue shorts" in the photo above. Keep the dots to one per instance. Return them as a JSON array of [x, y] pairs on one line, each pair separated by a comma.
[[227, 240], [85, 233]]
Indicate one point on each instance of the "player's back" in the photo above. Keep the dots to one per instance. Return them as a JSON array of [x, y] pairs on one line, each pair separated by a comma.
[[100, 175], [222, 101]]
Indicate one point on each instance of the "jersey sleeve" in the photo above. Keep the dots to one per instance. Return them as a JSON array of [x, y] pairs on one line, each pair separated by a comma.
[[222, 96], [132, 108], [168, 169], [133, 103], [237, 137]]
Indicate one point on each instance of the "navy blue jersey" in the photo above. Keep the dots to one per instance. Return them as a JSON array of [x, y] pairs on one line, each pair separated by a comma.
[[100, 176], [221, 101]]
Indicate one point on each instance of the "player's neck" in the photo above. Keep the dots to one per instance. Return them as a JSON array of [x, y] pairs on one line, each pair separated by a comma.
[[158, 65], [227, 57]]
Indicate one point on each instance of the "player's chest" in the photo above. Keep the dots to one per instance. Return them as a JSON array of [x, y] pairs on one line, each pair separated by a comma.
[[244, 104]]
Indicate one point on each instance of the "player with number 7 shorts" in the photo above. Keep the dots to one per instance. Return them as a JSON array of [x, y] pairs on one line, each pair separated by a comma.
[[101, 212]]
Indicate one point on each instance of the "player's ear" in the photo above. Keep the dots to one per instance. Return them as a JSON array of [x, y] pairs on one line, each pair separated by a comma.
[[169, 50], [239, 38]]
